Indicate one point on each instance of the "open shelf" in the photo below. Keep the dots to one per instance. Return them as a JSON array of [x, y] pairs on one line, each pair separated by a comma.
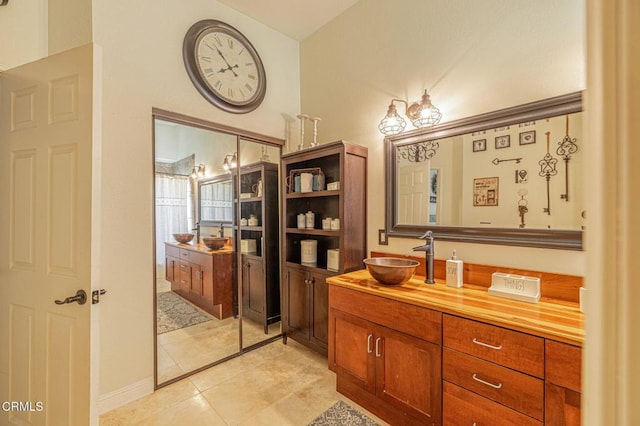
[[324, 232]]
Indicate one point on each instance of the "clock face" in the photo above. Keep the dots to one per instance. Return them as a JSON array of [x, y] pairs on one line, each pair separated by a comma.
[[224, 66]]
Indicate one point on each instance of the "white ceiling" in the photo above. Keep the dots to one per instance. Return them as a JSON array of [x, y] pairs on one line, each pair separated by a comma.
[[294, 18]]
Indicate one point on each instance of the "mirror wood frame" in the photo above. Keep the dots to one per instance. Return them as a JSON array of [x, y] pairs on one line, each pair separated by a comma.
[[540, 238], [240, 135]]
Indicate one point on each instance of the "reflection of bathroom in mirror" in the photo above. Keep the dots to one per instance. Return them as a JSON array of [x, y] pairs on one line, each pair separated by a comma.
[[507, 177], [214, 297]]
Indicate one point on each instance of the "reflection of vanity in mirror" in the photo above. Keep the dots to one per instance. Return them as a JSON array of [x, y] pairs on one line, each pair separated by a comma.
[[213, 304], [505, 177]]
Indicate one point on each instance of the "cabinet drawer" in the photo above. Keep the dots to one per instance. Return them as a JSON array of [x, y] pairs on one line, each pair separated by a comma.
[[463, 407], [171, 251], [184, 254], [413, 320], [200, 258], [508, 348], [563, 364], [516, 390]]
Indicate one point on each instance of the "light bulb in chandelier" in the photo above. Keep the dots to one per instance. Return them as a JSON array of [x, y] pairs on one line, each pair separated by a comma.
[[392, 123], [424, 113]]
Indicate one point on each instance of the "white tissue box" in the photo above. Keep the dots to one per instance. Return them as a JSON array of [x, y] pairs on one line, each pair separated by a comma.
[[247, 246], [516, 287], [333, 186], [333, 262]]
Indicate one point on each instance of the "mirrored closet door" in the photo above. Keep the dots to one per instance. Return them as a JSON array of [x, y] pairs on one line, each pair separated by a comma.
[[216, 243]]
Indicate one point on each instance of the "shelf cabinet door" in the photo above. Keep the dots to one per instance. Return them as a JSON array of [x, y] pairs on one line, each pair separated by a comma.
[[408, 374], [297, 304], [319, 309], [253, 288]]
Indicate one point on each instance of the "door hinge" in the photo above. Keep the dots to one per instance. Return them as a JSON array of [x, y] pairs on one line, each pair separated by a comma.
[[95, 295]]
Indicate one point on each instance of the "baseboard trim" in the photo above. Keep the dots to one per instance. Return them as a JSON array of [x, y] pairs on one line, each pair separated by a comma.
[[125, 395]]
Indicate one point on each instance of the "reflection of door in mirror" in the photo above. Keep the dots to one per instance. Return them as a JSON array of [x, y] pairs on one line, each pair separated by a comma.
[[259, 242], [196, 318]]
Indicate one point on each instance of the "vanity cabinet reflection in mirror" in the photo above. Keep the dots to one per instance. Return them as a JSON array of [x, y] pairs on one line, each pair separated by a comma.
[[508, 177]]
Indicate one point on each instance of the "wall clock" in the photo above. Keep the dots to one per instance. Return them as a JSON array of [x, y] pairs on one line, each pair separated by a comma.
[[224, 66]]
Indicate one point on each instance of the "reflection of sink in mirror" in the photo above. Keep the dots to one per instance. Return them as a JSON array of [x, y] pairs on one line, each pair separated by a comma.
[[198, 318]]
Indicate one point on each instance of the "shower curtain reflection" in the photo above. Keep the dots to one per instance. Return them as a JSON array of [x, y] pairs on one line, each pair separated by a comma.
[[172, 215]]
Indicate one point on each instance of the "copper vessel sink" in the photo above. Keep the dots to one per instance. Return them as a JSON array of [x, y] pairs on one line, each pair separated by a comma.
[[391, 270], [183, 238]]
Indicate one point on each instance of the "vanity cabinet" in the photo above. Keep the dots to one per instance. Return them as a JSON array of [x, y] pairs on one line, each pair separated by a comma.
[[260, 268], [386, 356], [430, 354], [202, 276], [343, 168], [306, 302]]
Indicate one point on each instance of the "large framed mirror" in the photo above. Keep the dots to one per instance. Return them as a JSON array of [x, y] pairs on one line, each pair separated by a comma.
[[510, 177], [216, 183]]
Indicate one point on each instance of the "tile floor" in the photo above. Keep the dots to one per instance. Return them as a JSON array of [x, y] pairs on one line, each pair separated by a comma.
[[276, 384]]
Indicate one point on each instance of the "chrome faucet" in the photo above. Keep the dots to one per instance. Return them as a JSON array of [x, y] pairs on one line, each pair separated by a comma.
[[221, 230], [197, 229], [429, 250]]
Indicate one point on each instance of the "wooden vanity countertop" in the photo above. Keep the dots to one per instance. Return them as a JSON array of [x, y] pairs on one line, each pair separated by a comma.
[[560, 322], [201, 248]]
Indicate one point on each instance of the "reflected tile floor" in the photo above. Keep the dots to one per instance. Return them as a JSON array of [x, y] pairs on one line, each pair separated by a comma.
[[186, 349], [276, 384]]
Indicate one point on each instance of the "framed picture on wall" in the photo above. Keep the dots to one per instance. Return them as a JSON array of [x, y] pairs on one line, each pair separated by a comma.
[[503, 141], [528, 137], [479, 145], [485, 191]]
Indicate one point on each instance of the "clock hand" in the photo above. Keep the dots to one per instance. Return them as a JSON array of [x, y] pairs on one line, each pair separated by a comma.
[[229, 67]]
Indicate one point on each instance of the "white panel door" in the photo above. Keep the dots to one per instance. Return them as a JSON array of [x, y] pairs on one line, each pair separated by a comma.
[[413, 194], [46, 130]]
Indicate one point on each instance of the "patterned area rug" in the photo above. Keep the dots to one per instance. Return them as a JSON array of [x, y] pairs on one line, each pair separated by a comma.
[[342, 414], [174, 312]]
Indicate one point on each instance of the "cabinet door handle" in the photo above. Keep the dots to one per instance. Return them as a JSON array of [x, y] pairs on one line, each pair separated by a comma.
[[369, 337], [484, 382], [378, 347], [486, 345]]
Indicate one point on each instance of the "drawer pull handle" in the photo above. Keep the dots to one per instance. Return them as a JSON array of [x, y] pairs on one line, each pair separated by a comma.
[[484, 382], [378, 347], [369, 337], [486, 345]]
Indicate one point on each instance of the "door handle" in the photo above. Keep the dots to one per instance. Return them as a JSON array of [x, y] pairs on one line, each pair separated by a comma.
[[80, 297]]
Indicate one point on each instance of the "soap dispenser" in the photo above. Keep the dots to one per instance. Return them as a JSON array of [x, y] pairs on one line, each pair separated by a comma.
[[454, 271]]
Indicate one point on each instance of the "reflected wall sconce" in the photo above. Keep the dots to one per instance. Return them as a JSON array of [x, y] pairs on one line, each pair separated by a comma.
[[197, 172], [421, 114], [230, 161]]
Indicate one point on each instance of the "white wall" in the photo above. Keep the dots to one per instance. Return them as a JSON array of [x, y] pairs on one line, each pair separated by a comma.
[[472, 57], [23, 32], [142, 55]]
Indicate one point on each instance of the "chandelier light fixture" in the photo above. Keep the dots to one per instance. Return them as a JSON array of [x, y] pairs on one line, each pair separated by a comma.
[[421, 114], [197, 172], [230, 161]]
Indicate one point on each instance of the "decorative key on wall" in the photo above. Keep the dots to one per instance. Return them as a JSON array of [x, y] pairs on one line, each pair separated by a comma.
[[522, 206], [567, 147], [548, 169]]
